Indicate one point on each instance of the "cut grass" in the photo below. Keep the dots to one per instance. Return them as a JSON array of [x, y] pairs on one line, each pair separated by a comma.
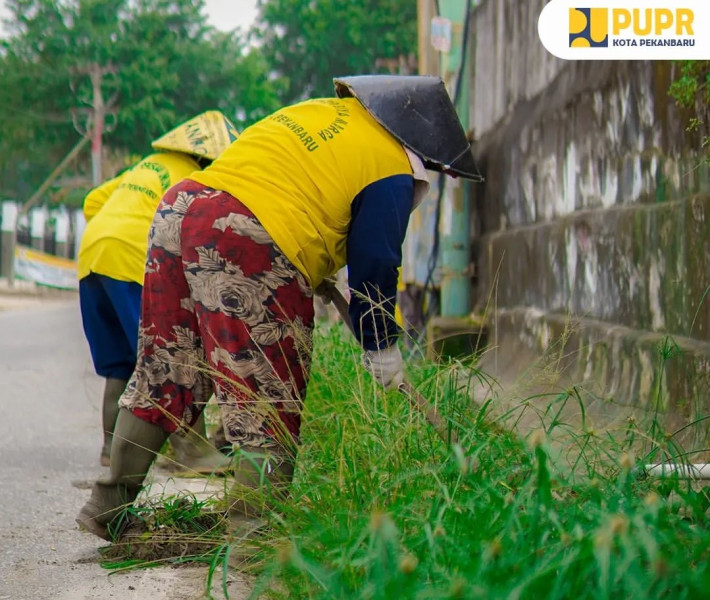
[[179, 528], [381, 509]]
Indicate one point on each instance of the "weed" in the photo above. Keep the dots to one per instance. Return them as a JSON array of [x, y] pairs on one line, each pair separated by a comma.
[[178, 528], [382, 508], [691, 90]]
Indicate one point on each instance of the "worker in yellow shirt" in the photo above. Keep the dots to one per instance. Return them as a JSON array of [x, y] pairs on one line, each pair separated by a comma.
[[237, 252], [112, 255]]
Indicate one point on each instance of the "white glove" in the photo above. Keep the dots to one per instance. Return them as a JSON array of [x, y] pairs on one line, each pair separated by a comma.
[[385, 366]]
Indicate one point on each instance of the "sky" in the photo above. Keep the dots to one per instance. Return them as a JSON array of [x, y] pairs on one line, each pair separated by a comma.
[[228, 14], [222, 14]]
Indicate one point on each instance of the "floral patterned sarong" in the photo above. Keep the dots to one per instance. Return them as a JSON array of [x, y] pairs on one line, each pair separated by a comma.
[[223, 311]]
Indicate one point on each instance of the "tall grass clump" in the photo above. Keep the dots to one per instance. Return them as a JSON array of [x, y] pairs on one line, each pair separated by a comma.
[[382, 508]]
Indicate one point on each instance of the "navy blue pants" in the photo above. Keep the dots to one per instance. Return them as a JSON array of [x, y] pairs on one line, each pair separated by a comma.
[[110, 312]]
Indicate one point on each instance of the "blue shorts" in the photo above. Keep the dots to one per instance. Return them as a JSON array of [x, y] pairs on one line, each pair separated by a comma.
[[110, 312]]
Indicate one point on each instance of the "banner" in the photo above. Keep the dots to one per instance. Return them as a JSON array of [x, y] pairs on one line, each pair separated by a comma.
[[45, 269]]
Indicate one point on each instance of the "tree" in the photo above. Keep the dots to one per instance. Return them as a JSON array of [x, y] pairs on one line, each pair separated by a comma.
[[308, 43], [28, 95], [160, 63]]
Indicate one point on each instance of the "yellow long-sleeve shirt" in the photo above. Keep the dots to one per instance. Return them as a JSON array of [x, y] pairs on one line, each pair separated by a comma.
[[120, 212], [299, 171]]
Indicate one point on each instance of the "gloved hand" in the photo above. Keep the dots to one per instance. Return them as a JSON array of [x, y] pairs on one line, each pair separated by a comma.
[[385, 365]]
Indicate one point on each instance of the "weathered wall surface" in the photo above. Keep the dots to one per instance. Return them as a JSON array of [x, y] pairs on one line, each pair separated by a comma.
[[594, 221]]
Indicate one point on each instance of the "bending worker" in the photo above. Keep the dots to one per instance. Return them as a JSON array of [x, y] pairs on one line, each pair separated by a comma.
[[236, 252], [112, 255]]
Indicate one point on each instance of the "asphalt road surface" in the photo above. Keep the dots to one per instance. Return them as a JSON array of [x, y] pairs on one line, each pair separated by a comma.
[[50, 440]]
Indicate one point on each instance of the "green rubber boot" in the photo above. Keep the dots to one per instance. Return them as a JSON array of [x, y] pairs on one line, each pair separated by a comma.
[[135, 444], [195, 455], [113, 389], [262, 479]]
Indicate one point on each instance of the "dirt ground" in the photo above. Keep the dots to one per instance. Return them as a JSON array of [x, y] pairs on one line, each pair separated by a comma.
[[50, 444]]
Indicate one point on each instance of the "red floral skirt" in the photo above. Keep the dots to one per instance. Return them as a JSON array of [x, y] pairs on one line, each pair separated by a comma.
[[223, 312]]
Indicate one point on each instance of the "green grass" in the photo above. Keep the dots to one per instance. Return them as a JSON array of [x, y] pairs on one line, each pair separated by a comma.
[[177, 529], [382, 508]]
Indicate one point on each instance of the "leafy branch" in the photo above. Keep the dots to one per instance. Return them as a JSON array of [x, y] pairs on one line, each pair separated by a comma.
[[691, 91]]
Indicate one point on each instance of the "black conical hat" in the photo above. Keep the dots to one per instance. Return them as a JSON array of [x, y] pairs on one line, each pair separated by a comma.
[[417, 110]]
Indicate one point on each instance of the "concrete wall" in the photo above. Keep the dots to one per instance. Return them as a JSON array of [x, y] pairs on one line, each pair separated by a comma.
[[594, 221]]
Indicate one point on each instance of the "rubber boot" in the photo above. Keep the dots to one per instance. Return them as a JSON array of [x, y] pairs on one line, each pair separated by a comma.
[[113, 389], [135, 444], [220, 441], [195, 455], [262, 479]]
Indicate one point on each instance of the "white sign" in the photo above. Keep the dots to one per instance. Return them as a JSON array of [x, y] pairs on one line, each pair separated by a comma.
[[441, 34], [626, 29], [61, 227], [37, 219], [9, 216]]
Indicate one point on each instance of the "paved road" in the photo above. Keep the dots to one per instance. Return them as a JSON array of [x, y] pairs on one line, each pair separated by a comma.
[[49, 445]]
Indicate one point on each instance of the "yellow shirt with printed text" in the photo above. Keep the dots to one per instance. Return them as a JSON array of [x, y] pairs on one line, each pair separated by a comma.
[[120, 212], [97, 197], [299, 170]]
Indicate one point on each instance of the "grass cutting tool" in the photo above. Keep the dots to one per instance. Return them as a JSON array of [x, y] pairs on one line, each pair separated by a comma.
[[329, 293]]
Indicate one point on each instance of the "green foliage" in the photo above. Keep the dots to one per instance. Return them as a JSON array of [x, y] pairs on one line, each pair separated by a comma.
[[691, 91], [383, 509], [174, 529], [308, 43], [692, 84], [160, 64]]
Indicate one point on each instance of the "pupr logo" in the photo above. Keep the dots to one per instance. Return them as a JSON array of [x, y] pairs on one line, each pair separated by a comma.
[[588, 28], [626, 29]]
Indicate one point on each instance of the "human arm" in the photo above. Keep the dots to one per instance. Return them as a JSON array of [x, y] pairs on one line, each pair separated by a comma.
[[97, 197], [380, 214]]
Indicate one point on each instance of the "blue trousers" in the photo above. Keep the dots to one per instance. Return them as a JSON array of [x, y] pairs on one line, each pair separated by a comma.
[[110, 312]]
